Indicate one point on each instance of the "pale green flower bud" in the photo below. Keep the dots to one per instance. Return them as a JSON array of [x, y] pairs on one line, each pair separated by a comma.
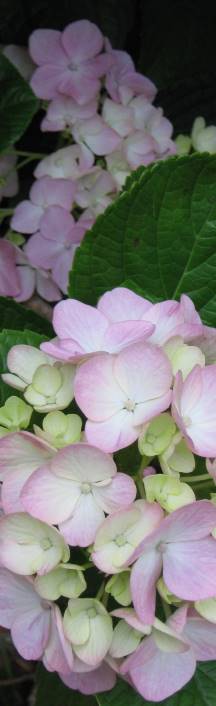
[[164, 592], [183, 357], [125, 640], [60, 429], [183, 144], [119, 588], [51, 387], [177, 458], [88, 627], [170, 493], [157, 435], [66, 580], [15, 414], [203, 138], [213, 498], [207, 608]]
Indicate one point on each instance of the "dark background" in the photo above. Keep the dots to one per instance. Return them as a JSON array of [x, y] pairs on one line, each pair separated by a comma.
[[173, 42]]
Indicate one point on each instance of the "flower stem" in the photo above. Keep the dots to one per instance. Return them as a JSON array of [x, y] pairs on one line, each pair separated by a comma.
[[196, 479]]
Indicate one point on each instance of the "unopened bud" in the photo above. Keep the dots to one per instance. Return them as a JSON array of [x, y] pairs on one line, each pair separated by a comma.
[[60, 429], [15, 414], [177, 458], [119, 588], [183, 144], [156, 435], [169, 492], [183, 357], [66, 580], [164, 592]]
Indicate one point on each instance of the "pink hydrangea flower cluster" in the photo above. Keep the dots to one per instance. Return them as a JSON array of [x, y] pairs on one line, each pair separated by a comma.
[[104, 109], [140, 373]]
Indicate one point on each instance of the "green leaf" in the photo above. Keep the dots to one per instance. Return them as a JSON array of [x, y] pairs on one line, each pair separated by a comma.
[[161, 234], [200, 691], [51, 691], [15, 316], [17, 104], [9, 338]]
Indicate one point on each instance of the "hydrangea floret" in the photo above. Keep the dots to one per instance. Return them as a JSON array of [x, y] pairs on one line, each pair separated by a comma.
[[69, 508]]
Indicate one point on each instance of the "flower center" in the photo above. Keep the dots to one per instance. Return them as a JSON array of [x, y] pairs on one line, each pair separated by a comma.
[[130, 405], [86, 488], [120, 540]]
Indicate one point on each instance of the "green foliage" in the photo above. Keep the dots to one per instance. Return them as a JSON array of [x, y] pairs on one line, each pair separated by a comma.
[[15, 316], [51, 691], [17, 104], [161, 234], [200, 691]]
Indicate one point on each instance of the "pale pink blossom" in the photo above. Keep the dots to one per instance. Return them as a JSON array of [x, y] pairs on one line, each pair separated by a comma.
[[194, 409], [63, 112], [96, 190], [151, 120], [119, 117], [70, 162], [21, 454], [172, 318], [31, 279], [54, 246], [123, 82], [9, 184], [83, 330], [118, 166], [196, 630], [97, 135], [119, 393], [121, 304], [162, 664], [35, 624], [45, 192], [28, 546], [184, 549], [69, 62], [75, 490], [119, 535], [9, 277], [89, 680]]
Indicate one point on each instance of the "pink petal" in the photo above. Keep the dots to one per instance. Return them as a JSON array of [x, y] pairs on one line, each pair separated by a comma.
[[144, 576], [82, 40], [50, 498], [17, 596], [144, 373], [42, 252], [46, 79], [58, 654], [105, 397], [98, 136], [47, 289], [113, 433], [27, 283], [62, 266], [95, 681], [119, 335], [30, 633], [26, 217], [20, 454], [158, 674], [47, 192], [45, 47], [80, 530], [80, 322], [189, 568], [121, 304], [201, 635], [120, 493], [57, 225], [77, 85]]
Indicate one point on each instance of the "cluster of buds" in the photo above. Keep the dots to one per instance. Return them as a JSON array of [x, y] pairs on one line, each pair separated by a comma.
[[104, 110], [201, 139], [142, 374]]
